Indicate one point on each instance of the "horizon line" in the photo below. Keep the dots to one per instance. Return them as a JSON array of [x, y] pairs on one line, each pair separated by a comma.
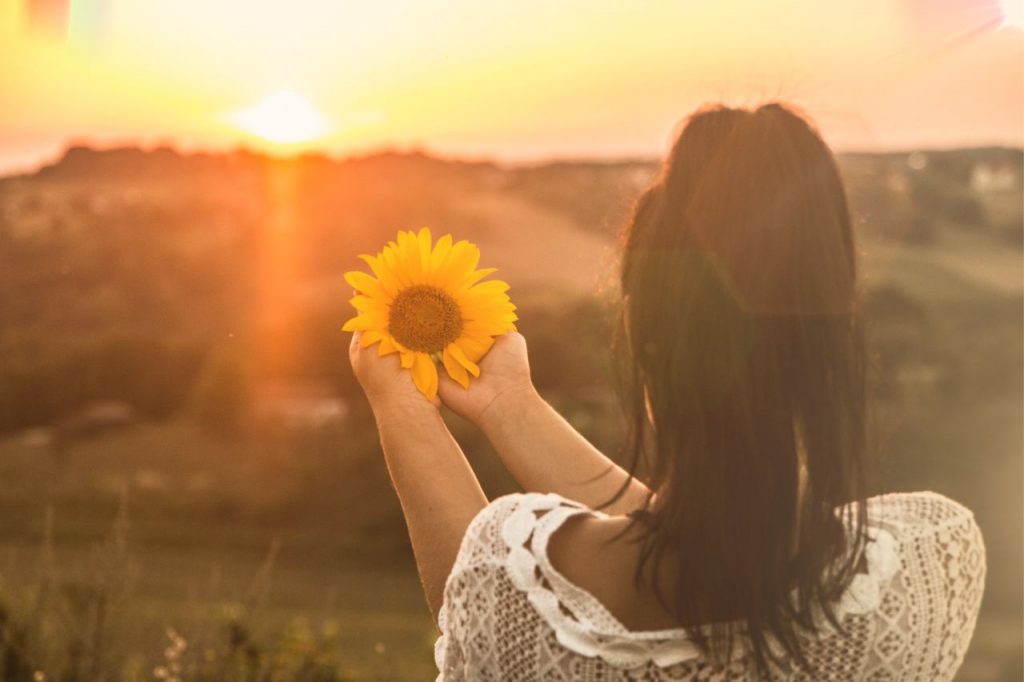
[[16, 169]]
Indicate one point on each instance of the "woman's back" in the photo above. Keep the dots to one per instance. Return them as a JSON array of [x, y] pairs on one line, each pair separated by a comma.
[[510, 614], [746, 396]]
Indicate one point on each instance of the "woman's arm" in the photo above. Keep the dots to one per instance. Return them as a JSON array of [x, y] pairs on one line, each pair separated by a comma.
[[438, 490], [541, 450]]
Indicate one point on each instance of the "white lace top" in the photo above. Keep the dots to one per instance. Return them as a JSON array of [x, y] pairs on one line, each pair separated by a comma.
[[509, 615]]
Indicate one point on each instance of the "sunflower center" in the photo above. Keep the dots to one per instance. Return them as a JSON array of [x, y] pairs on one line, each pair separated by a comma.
[[424, 318]]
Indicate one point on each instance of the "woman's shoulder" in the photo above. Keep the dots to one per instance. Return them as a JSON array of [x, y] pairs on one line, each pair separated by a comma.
[[526, 508], [933, 541], [532, 500], [599, 554], [508, 521], [940, 557], [914, 514]]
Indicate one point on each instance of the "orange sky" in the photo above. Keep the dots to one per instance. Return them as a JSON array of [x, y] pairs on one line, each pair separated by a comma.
[[517, 79]]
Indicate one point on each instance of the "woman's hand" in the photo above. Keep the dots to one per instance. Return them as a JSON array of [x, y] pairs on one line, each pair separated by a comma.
[[504, 377], [541, 450], [388, 387]]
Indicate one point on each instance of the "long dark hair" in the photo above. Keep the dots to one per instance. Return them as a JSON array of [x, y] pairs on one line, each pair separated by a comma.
[[743, 350]]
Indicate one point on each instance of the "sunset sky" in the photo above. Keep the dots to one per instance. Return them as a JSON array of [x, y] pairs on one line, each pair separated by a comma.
[[523, 79]]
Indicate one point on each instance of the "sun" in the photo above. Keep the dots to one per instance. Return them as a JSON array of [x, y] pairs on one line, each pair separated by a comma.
[[283, 117]]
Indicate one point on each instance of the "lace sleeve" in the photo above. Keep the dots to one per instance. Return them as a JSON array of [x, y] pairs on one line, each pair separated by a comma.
[[482, 552], [921, 615], [942, 579]]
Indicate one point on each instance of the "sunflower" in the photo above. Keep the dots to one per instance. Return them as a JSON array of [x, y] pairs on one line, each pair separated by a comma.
[[427, 302]]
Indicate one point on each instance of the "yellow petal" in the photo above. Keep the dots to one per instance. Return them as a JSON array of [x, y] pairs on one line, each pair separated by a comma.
[[493, 286], [456, 371], [386, 347], [475, 347], [380, 271], [370, 337], [486, 328], [367, 304], [464, 258], [408, 359], [424, 375], [411, 258], [434, 380], [441, 251], [402, 256], [363, 323], [403, 242], [423, 241], [485, 298], [474, 277], [483, 312], [457, 353], [363, 283], [392, 264], [372, 261]]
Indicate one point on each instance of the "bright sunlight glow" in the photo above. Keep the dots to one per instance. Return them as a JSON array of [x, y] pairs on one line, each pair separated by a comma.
[[284, 117], [1013, 13]]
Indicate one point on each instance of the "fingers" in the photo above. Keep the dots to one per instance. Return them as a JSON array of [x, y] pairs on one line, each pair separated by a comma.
[[513, 337], [509, 345]]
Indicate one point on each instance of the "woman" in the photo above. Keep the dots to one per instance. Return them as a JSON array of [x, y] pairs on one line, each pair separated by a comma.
[[748, 550]]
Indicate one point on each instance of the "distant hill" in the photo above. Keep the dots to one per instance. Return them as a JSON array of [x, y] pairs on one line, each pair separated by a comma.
[[128, 266]]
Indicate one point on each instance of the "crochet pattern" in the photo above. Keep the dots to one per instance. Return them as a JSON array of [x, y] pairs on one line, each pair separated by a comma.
[[509, 615]]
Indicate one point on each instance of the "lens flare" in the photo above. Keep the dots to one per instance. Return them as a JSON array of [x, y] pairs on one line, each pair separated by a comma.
[[1013, 13]]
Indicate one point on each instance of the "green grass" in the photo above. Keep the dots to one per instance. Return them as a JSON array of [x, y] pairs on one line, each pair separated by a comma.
[[370, 615], [342, 583]]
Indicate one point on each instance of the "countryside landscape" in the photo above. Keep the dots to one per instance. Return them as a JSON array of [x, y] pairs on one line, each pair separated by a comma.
[[191, 486]]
